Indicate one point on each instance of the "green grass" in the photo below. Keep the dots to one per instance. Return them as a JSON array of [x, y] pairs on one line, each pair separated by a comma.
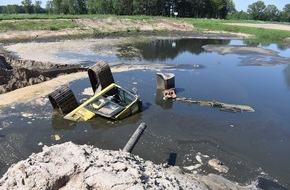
[[36, 25], [264, 35]]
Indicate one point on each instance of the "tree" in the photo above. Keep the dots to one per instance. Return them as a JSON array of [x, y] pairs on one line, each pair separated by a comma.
[[91, 7], [256, 10], [223, 9], [241, 15], [81, 6], [10, 9], [272, 13], [67, 7], [57, 6], [27, 6], [231, 6], [37, 6], [286, 13], [185, 8], [49, 7]]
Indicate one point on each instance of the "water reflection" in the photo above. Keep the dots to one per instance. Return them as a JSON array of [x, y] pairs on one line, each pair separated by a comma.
[[59, 123], [257, 60], [161, 50], [287, 75], [280, 47], [160, 102], [98, 122]]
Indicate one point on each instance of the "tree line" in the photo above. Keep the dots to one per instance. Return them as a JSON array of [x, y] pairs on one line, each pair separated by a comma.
[[259, 11], [222, 9]]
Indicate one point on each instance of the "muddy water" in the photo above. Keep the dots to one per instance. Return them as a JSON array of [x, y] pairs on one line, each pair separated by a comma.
[[250, 144]]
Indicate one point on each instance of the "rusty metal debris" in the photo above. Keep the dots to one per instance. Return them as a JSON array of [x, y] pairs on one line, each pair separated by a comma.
[[165, 81], [222, 106], [169, 94]]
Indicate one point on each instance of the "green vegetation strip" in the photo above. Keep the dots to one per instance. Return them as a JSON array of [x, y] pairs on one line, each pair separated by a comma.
[[261, 34], [36, 25]]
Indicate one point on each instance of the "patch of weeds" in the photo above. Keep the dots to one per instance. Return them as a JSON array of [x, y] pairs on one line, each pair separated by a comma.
[[53, 28]]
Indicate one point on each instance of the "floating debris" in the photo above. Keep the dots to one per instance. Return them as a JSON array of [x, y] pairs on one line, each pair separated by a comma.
[[41, 101], [56, 137], [29, 115], [222, 106], [200, 157], [190, 168], [88, 91], [218, 165], [169, 94]]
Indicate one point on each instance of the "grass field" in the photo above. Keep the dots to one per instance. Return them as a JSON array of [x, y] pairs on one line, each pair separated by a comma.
[[262, 34]]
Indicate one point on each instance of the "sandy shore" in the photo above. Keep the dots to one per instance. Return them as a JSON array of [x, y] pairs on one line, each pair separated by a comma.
[[49, 51]]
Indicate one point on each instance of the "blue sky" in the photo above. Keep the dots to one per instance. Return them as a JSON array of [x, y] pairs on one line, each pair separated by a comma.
[[240, 4], [243, 4]]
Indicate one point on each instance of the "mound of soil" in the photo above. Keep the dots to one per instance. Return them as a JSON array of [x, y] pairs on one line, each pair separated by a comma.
[[16, 74], [70, 166]]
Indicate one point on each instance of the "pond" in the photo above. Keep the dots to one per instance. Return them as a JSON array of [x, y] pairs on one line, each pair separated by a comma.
[[250, 144]]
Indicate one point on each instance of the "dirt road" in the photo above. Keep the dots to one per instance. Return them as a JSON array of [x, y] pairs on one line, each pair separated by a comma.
[[266, 26]]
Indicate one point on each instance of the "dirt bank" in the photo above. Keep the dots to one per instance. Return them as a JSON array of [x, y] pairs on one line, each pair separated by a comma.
[[15, 74], [70, 166], [99, 26]]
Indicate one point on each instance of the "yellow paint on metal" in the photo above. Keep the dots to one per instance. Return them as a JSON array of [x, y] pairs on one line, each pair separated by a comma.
[[83, 114]]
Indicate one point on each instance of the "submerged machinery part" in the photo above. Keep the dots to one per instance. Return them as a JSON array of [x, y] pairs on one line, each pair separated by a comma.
[[165, 81], [222, 106], [63, 99], [100, 75]]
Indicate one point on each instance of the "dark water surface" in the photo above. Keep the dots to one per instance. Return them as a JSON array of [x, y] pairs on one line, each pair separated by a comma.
[[250, 144]]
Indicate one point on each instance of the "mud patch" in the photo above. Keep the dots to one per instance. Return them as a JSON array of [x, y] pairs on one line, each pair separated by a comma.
[[254, 56], [240, 50]]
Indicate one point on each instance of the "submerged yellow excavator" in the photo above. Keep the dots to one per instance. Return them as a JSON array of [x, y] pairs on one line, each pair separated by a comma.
[[111, 101]]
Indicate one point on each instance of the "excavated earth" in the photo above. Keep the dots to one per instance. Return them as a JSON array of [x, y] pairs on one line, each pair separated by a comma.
[[15, 74], [71, 166]]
